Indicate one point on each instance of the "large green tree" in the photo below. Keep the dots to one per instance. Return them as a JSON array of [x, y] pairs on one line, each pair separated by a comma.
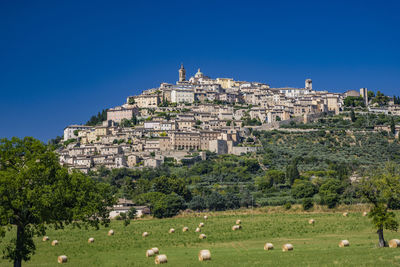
[[216, 201], [379, 189], [292, 172], [271, 178], [168, 185], [354, 101], [330, 192], [303, 189], [197, 203], [168, 206], [36, 193], [380, 99]]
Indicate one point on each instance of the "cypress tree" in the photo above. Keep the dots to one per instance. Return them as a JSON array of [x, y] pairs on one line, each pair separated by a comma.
[[392, 126], [353, 116], [292, 172]]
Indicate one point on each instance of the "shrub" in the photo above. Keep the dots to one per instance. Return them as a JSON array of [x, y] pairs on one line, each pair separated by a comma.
[[272, 177], [131, 214], [215, 201], [197, 203], [303, 189], [168, 206], [122, 216], [330, 192], [69, 141], [307, 203], [232, 201], [149, 198], [275, 201], [331, 199], [287, 206]]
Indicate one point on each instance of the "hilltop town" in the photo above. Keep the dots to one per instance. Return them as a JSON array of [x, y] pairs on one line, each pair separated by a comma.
[[183, 121]]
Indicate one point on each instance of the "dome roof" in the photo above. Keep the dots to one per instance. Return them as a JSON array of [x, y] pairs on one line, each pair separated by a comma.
[[199, 74]]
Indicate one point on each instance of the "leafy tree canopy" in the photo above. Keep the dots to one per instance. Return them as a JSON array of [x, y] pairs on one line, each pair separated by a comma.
[[97, 119], [330, 192], [197, 203], [303, 189], [36, 192], [354, 101], [168, 206], [379, 190]]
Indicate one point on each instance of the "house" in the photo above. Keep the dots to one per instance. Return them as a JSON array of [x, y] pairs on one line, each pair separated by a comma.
[[117, 114], [152, 163], [124, 205], [69, 131], [147, 101], [182, 96]]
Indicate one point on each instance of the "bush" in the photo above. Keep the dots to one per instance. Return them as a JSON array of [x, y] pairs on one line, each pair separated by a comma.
[[168, 206], [330, 192], [197, 203], [149, 198], [169, 185], [272, 177], [130, 215], [307, 203], [246, 199], [287, 206], [302, 189], [331, 199], [232, 201], [275, 201], [69, 141], [215, 201], [122, 216]]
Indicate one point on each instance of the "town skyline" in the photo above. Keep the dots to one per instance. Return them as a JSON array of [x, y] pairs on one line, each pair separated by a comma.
[[191, 70], [61, 64], [180, 122]]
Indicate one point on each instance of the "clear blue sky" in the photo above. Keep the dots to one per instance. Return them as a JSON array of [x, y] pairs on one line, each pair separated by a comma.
[[63, 61]]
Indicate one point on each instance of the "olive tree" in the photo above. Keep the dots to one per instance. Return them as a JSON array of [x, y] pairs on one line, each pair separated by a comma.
[[379, 190], [37, 193]]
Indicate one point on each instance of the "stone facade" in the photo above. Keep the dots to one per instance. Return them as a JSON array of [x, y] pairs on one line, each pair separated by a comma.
[[117, 114]]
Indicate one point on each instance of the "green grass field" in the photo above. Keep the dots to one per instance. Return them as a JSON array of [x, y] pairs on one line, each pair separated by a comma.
[[314, 245]]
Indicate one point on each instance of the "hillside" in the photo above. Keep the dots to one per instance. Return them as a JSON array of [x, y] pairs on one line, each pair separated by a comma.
[[333, 150]]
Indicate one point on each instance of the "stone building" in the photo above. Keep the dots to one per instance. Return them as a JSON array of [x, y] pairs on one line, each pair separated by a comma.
[[69, 131], [147, 101], [218, 146], [185, 141], [182, 96], [117, 114]]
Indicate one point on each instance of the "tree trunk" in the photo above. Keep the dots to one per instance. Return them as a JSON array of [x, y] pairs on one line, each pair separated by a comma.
[[382, 242], [19, 246]]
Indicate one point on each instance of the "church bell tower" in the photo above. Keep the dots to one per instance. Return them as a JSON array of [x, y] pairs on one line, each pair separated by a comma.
[[182, 74]]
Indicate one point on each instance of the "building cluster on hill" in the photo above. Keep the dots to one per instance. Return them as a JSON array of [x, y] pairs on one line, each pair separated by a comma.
[[179, 122]]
